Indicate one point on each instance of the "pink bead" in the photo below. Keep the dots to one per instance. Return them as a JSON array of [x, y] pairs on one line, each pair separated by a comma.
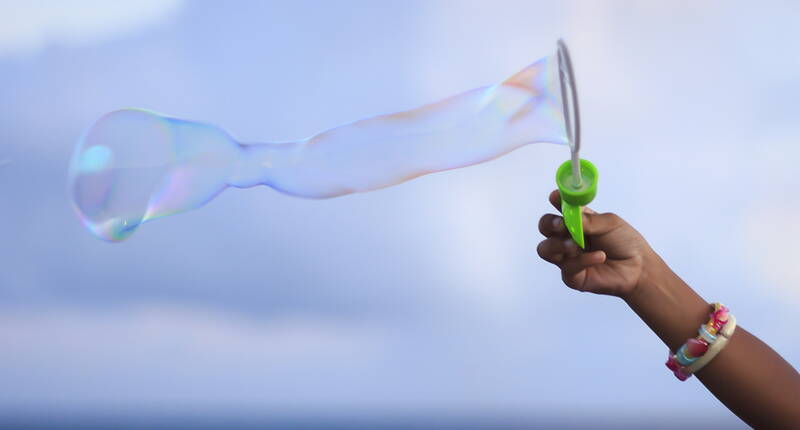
[[672, 364], [696, 347], [682, 376], [720, 318]]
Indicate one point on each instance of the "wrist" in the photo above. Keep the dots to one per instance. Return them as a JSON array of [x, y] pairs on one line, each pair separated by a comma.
[[654, 271], [665, 303]]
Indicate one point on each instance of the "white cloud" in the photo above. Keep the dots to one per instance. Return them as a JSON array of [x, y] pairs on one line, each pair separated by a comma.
[[161, 353], [28, 26], [195, 331]]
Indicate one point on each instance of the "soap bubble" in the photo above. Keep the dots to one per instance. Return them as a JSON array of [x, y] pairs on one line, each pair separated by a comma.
[[135, 165]]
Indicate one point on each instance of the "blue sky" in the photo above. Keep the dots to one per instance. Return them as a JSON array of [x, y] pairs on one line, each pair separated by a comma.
[[424, 298]]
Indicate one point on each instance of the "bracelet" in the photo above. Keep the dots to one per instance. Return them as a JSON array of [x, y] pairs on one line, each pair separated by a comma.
[[716, 347], [699, 351]]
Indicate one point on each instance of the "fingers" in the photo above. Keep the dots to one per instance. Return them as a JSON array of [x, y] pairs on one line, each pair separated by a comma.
[[556, 249], [552, 225], [564, 253], [574, 265], [573, 270], [593, 222], [555, 199]]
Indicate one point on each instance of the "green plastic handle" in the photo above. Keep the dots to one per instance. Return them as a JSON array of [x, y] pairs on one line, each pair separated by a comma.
[[573, 198]]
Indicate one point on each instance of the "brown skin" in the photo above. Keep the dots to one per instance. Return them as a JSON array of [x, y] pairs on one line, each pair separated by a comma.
[[750, 378]]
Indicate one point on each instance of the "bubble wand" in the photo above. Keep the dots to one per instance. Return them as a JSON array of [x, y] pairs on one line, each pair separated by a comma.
[[576, 178]]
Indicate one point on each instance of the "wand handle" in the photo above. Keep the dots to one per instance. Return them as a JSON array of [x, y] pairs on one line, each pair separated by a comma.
[[574, 197]]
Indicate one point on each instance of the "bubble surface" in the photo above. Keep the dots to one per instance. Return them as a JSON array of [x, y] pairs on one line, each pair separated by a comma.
[[135, 165]]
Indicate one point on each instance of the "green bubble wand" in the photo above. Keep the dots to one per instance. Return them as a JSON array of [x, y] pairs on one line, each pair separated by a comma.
[[576, 178]]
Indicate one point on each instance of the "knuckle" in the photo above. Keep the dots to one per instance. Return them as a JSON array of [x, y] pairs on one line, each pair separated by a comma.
[[543, 223], [548, 253], [571, 282], [614, 218], [540, 249]]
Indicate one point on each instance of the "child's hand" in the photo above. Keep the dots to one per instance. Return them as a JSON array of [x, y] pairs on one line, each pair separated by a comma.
[[613, 262]]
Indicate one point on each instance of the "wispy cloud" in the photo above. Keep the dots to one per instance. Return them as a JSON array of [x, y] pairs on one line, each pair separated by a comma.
[[27, 27]]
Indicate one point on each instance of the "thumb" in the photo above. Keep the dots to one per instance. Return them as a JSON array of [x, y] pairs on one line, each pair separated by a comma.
[[596, 223]]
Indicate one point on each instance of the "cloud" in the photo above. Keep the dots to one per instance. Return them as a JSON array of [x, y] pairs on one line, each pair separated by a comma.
[[27, 27], [161, 353]]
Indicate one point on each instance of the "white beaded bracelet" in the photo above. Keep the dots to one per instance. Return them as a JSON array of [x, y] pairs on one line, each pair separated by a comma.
[[723, 337]]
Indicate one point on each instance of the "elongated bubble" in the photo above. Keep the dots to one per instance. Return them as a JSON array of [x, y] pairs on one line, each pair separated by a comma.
[[134, 165]]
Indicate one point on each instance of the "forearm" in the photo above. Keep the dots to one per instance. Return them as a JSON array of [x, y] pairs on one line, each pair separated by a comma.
[[751, 379], [666, 304]]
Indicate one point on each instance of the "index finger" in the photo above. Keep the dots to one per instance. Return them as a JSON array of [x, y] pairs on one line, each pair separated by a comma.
[[555, 200]]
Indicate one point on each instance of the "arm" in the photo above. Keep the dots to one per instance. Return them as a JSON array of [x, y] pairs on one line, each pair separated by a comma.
[[750, 378]]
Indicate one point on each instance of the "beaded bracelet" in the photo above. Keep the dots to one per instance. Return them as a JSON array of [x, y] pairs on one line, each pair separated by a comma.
[[699, 351]]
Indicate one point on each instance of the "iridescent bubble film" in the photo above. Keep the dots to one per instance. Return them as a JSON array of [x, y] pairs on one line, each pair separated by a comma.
[[134, 165]]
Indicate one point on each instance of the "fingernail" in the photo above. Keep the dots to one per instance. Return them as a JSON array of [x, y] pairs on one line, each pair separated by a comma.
[[557, 222], [569, 244], [588, 210]]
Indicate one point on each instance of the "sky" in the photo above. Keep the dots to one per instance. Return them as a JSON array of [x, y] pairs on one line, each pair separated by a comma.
[[426, 299]]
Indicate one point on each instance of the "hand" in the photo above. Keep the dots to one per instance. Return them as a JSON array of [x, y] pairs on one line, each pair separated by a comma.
[[613, 262]]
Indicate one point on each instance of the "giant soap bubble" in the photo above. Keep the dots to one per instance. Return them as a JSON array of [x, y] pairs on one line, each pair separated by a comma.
[[135, 165]]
